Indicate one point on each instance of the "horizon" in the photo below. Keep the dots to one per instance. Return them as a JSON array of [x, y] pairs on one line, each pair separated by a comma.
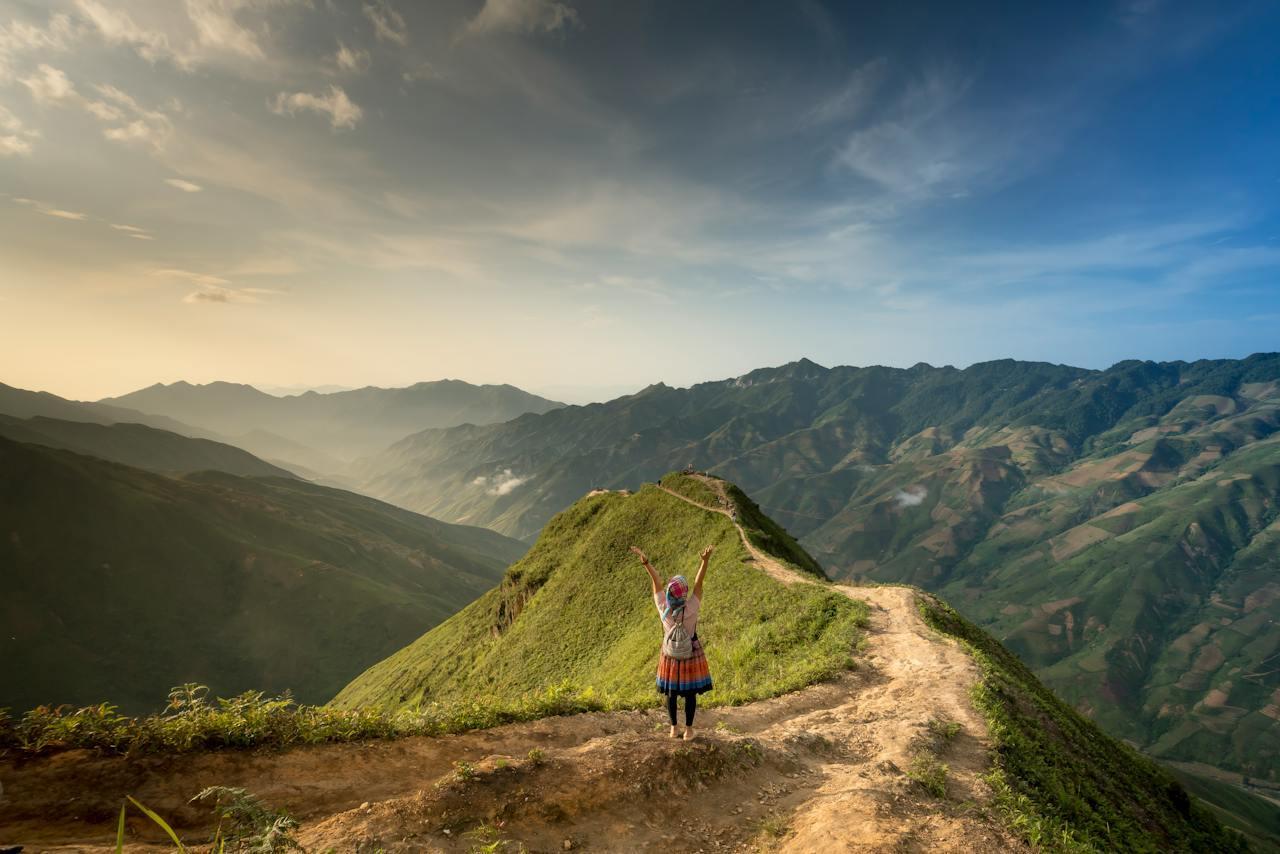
[[322, 389], [567, 194]]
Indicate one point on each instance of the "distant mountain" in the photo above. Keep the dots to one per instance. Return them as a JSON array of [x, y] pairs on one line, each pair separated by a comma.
[[322, 428], [119, 583], [139, 446], [1117, 528], [20, 403]]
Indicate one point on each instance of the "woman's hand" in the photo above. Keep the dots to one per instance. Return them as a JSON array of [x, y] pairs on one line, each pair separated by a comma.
[[705, 554], [636, 551]]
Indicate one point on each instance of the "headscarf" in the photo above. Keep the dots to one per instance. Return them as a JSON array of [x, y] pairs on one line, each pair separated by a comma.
[[677, 590]]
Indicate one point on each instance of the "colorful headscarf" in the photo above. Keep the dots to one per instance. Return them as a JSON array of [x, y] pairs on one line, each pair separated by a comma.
[[677, 590]]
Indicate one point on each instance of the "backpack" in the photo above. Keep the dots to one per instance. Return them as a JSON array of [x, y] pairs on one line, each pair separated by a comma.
[[676, 643]]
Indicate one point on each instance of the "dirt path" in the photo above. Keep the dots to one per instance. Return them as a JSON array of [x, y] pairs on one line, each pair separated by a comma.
[[822, 769]]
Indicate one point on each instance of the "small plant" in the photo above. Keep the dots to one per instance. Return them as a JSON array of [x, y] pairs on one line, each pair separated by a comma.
[[774, 825], [464, 772], [536, 756], [944, 731], [486, 839], [725, 726], [248, 823], [929, 774], [500, 763]]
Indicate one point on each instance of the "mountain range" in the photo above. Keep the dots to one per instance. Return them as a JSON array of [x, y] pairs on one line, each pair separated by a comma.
[[1116, 527], [120, 583], [322, 432]]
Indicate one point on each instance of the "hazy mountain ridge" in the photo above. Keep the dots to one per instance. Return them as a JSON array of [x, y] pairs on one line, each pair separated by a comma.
[[977, 482], [324, 430], [121, 583], [138, 445]]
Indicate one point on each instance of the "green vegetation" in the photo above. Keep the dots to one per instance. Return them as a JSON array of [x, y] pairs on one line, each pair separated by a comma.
[[192, 723], [577, 612], [119, 583], [1115, 527], [247, 824], [1258, 818], [1059, 781]]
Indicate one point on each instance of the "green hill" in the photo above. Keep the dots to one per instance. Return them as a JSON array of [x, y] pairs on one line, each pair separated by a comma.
[[577, 609], [120, 583], [576, 612], [138, 445], [1116, 526]]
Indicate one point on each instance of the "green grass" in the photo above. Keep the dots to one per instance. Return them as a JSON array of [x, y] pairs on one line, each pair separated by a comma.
[[577, 611], [1059, 781]]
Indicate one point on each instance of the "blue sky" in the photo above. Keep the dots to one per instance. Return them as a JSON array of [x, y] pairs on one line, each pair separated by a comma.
[[582, 198]]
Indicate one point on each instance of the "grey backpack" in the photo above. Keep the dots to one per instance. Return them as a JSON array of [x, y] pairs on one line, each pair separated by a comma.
[[676, 643]]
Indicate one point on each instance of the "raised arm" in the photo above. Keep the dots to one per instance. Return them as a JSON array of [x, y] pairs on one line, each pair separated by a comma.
[[653, 573], [705, 556]]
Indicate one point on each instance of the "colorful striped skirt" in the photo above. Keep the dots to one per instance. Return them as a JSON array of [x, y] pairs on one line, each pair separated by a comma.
[[690, 676]]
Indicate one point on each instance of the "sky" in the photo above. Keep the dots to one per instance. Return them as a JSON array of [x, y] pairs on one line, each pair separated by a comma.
[[582, 198]]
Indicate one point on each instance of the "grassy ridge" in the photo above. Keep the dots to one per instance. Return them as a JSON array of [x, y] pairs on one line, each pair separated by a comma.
[[577, 611], [1059, 780]]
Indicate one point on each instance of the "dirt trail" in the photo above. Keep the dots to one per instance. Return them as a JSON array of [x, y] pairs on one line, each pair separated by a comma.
[[822, 769]]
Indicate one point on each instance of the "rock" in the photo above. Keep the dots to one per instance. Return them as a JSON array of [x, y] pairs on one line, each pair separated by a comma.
[[567, 845], [364, 806]]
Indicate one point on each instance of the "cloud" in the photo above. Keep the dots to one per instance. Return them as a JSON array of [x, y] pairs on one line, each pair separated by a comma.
[[12, 144], [209, 29], [206, 296], [502, 483], [912, 496], [523, 16], [387, 23], [853, 98], [350, 59], [184, 186], [50, 210], [188, 275], [61, 214], [133, 231], [15, 137], [342, 112], [216, 27], [49, 85], [17, 38], [425, 71]]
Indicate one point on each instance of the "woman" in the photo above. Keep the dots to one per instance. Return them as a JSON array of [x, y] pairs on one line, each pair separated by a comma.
[[680, 677]]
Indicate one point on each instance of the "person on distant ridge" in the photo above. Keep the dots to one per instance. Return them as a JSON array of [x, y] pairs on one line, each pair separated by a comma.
[[682, 666]]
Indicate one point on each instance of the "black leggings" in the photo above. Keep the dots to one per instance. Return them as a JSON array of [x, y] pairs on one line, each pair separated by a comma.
[[690, 706]]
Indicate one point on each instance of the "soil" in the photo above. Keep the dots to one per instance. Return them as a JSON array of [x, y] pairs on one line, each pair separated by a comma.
[[821, 770]]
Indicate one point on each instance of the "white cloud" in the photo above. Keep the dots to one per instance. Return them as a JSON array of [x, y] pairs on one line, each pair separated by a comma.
[[342, 112], [425, 71], [133, 231], [853, 98], [17, 38], [912, 496], [12, 144], [15, 137], [351, 59], [49, 84], [216, 27], [184, 186], [387, 23], [61, 214], [523, 16], [209, 29], [188, 275], [118, 27], [502, 483]]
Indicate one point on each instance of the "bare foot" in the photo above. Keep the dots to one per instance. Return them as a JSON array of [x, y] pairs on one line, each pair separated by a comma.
[[688, 734], [675, 732]]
